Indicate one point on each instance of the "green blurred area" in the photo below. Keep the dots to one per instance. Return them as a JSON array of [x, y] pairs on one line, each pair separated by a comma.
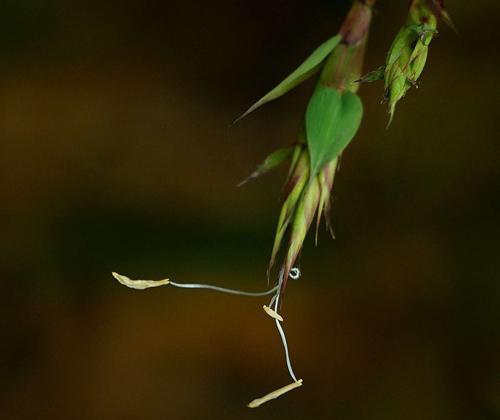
[[116, 156]]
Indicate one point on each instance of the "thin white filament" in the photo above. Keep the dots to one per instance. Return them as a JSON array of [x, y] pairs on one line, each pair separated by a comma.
[[144, 284], [294, 275], [285, 346], [276, 299], [222, 289]]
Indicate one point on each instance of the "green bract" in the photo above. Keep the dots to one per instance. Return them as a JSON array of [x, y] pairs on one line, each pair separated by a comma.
[[310, 66], [332, 120]]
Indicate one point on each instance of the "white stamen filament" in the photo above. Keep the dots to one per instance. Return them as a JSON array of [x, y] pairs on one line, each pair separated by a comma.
[[276, 299], [223, 289], [271, 310], [146, 284]]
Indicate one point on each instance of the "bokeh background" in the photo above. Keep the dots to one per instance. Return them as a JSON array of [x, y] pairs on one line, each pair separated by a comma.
[[115, 154]]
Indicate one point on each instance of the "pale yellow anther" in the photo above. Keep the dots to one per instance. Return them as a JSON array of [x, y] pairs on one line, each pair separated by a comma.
[[275, 394], [139, 284], [272, 313]]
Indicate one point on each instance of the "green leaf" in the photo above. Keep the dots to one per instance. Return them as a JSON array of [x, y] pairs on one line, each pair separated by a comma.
[[332, 120], [310, 66]]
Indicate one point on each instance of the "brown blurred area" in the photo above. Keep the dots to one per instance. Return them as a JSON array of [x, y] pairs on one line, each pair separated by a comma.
[[115, 154]]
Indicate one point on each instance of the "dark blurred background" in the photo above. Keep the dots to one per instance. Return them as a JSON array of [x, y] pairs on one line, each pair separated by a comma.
[[115, 154]]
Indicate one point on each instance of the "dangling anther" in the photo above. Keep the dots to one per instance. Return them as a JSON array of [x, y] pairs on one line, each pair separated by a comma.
[[139, 284], [275, 394], [272, 313]]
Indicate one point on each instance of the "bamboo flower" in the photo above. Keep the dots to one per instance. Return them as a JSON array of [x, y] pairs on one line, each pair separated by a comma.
[[332, 118]]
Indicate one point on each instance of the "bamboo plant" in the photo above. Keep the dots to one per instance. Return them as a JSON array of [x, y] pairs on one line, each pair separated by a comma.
[[332, 118]]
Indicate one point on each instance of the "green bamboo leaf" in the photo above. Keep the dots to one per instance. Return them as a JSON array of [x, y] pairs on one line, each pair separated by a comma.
[[310, 66], [332, 120]]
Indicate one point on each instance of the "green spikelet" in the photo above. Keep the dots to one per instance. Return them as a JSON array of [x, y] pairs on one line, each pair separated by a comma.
[[294, 187], [408, 53], [304, 215]]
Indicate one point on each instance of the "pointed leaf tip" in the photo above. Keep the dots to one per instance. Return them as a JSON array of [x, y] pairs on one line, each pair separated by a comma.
[[272, 161], [310, 66]]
